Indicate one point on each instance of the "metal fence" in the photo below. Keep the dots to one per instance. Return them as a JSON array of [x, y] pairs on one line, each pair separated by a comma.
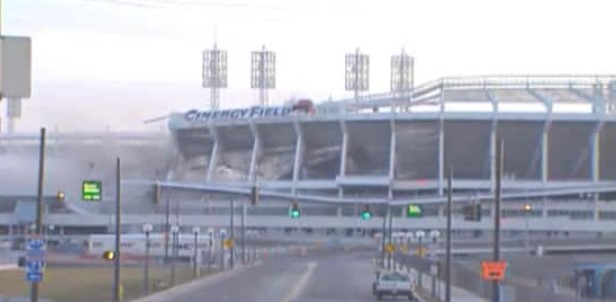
[[468, 278]]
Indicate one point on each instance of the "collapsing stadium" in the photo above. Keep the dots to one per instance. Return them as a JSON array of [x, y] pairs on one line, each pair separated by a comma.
[[559, 132]]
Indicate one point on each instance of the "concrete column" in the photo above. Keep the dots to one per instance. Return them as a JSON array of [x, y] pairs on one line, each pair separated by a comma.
[[493, 138], [343, 154], [545, 160], [595, 164], [256, 148], [392, 151], [214, 156], [299, 154], [441, 157]]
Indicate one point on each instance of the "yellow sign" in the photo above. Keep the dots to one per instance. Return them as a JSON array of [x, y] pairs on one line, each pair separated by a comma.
[[228, 243], [403, 248], [390, 248], [421, 251]]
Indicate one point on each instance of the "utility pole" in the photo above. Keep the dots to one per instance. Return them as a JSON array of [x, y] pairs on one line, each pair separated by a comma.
[[389, 236], [232, 236], [116, 261], [34, 290], [385, 213], [167, 226], [497, 214], [448, 238], [243, 233]]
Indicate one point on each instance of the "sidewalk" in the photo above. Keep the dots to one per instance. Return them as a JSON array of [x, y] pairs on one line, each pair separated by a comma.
[[430, 292]]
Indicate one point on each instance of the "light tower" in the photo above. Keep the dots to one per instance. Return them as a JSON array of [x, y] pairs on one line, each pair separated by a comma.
[[263, 73], [214, 73], [357, 73], [402, 74]]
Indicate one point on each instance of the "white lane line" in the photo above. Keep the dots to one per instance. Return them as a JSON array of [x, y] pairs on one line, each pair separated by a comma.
[[300, 284]]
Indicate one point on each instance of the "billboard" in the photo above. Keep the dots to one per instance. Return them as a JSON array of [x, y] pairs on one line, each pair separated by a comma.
[[15, 67]]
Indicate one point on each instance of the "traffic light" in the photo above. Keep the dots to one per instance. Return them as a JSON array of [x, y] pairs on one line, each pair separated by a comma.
[[413, 211], [21, 261], [109, 255], [527, 207], [60, 196], [366, 214], [254, 195], [472, 212], [295, 212]]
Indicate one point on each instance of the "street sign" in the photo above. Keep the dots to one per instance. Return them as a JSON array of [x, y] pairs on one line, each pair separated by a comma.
[[34, 277], [493, 271], [228, 243], [91, 190], [35, 261], [413, 211], [434, 269], [390, 248], [421, 251]]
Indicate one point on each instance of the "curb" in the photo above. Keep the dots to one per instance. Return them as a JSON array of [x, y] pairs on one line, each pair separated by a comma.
[[165, 294]]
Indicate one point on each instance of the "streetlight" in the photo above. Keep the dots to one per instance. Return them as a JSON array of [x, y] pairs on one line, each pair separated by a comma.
[[223, 235], [147, 229], [409, 238], [434, 234], [174, 231], [527, 209], [196, 231], [210, 247], [420, 238]]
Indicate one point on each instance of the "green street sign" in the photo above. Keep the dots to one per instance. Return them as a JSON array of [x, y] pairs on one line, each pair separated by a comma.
[[91, 190], [413, 211]]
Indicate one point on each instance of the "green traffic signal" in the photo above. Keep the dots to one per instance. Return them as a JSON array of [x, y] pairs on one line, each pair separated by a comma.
[[294, 212], [366, 214]]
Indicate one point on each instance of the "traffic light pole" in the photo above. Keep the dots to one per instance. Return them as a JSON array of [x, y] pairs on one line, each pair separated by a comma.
[[389, 236], [167, 226], [243, 233], [497, 214], [232, 235], [116, 261], [385, 213], [34, 289], [448, 238]]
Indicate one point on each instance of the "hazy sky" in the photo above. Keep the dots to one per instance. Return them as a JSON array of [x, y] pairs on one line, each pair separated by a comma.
[[118, 62]]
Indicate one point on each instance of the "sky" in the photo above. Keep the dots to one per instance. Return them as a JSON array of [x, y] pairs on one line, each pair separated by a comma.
[[101, 64]]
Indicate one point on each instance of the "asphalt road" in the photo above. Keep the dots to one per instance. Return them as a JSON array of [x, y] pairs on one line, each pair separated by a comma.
[[340, 277]]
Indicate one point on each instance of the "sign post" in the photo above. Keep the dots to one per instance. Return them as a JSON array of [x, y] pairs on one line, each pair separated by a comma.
[[35, 262]]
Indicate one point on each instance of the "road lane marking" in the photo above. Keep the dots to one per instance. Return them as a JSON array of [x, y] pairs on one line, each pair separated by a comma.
[[300, 284]]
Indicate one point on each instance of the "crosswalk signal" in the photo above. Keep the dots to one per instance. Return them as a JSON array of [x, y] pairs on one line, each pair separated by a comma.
[[295, 212], [472, 212], [109, 255], [254, 195], [366, 214]]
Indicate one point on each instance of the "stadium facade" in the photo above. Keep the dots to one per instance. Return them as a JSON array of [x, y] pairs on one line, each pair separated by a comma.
[[559, 133]]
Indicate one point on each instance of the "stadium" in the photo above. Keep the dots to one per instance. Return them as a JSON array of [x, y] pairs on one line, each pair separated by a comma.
[[335, 157]]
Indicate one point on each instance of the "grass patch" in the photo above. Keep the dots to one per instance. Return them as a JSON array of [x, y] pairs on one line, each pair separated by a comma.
[[92, 284]]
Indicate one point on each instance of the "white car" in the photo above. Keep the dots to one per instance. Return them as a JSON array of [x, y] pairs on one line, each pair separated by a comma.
[[393, 284]]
